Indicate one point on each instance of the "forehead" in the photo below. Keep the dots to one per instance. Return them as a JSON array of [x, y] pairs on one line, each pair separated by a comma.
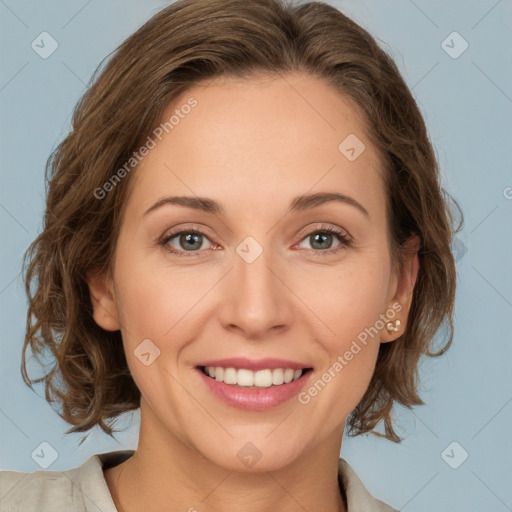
[[257, 140]]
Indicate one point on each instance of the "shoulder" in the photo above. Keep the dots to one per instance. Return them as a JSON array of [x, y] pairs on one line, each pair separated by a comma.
[[359, 498], [46, 491], [32, 491]]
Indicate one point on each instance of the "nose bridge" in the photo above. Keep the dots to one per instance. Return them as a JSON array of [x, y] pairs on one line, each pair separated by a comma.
[[256, 299]]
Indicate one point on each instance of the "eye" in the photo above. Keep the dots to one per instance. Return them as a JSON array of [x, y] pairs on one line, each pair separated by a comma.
[[185, 241], [321, 240], [189, 241]]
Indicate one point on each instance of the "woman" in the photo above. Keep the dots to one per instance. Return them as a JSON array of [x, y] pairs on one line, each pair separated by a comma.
[[246, 237]]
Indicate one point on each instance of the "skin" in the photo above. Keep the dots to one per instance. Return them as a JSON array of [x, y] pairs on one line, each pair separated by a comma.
[[252, 145]]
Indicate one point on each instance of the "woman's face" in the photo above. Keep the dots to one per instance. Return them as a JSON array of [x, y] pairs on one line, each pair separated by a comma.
[[273, 276]]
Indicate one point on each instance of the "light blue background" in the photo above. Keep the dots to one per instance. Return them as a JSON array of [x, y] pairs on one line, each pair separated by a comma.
[[467, 103]]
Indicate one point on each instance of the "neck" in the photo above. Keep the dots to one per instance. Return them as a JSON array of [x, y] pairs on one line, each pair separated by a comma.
[[170, 475]]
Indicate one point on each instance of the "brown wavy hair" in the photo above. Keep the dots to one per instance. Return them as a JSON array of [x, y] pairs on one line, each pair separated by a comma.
[[185, 43]]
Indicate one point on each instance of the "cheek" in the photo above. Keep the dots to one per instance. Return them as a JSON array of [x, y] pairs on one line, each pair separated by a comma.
[[353, 348], [155, 302], [157, 305], [348, 299]]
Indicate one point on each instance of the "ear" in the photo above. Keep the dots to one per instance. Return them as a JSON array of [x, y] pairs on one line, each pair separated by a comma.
[[103, 299], [405, 280]]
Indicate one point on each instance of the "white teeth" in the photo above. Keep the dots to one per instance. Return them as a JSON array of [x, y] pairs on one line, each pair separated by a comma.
[[263, 378], [245, 378], [288, 375], [248, 378], [277, 376], [219, 373], [230, 376]]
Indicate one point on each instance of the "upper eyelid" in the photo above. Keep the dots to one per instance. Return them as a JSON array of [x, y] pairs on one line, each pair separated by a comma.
[[327, 227], [184, 229], [201, 230], [335, 230]]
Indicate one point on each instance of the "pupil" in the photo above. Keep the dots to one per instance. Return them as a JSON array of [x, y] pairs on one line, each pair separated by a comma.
[[323, 238], [318, 239], [189, 239]]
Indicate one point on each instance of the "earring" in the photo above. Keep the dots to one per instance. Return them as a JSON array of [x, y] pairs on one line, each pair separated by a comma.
[[393, 327]]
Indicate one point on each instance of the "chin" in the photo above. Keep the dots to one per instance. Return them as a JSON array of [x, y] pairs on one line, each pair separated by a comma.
[[258, 455]]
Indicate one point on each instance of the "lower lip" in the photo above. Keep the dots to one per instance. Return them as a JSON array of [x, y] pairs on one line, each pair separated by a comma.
[[254, 399]]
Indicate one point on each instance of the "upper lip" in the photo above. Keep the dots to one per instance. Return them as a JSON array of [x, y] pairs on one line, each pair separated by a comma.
[[254, 364]]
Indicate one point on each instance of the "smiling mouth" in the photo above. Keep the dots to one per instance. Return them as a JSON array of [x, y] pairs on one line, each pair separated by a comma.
[[244, 378]]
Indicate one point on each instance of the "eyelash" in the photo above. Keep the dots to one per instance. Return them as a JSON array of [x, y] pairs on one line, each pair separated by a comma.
[[344, 240]]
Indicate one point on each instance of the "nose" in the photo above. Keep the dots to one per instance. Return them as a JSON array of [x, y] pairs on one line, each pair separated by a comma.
[[255, 299]]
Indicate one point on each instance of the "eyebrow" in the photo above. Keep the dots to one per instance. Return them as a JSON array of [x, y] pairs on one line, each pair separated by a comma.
[[298, 204]]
